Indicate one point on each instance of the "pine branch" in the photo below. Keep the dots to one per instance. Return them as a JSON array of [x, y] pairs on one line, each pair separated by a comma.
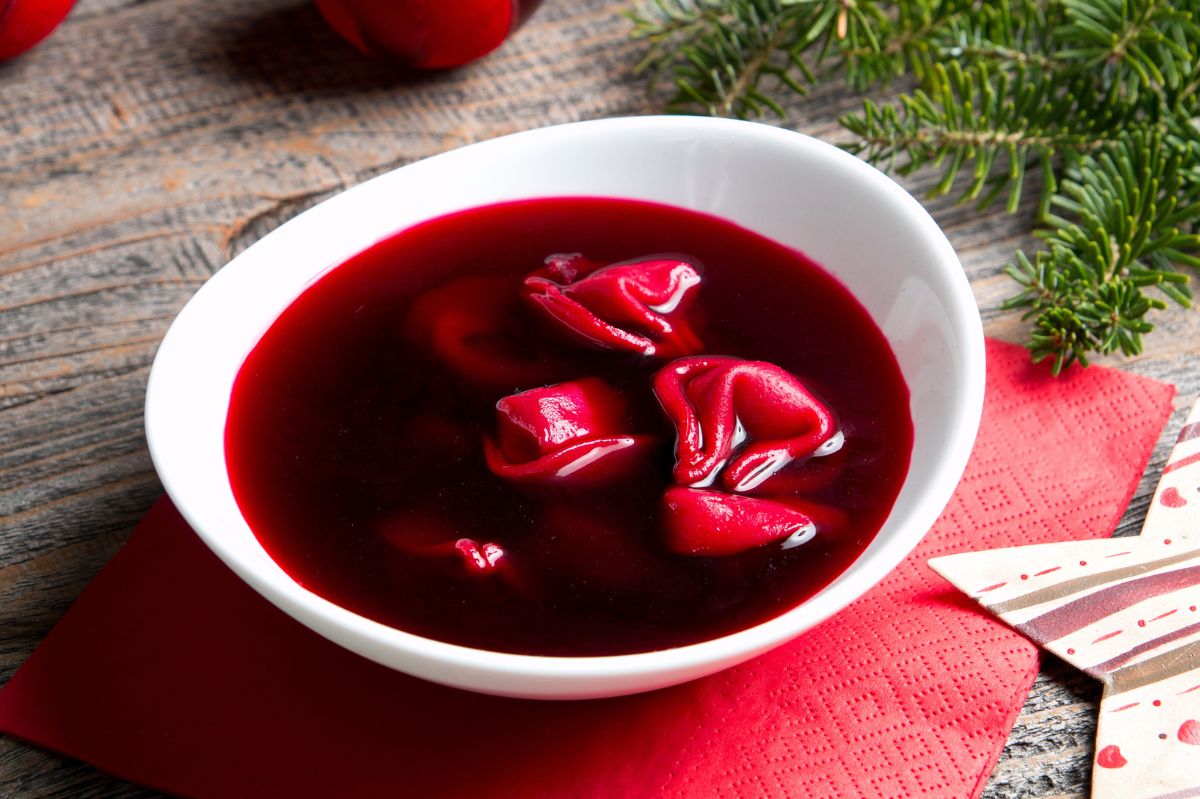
[[994, 121], [723, 56], [719, 53], [1002, 35], [1129, 221], [1137, 45], [903, 43], [1098, 96]]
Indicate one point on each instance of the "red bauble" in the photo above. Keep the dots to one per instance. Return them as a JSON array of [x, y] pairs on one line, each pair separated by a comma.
[[24, 23], [428, 34]]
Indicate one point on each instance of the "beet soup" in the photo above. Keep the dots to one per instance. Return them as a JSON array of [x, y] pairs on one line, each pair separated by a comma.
[[570, 426]]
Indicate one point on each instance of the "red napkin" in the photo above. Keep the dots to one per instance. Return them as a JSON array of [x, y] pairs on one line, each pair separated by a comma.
[[169, 671]]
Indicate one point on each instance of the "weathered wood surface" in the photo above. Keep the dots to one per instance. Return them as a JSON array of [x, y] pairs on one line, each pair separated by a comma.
[[150, 140]]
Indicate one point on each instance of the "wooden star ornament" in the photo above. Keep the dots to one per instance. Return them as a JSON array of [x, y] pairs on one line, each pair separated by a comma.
[[1124, 610]]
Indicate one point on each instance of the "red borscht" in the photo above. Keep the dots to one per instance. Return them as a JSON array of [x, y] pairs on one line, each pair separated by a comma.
[[571, 426]]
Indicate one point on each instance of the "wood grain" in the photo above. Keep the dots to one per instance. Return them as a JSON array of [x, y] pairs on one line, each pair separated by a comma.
[[148, 141]]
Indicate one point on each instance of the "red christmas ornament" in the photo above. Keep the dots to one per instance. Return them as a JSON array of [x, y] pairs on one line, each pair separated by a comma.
[[24, 23], [427, 34]]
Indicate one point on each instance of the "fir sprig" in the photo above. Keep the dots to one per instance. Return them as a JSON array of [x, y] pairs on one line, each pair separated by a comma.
[[719, 53], [1120, 234], [1099, 97], [994, 121]]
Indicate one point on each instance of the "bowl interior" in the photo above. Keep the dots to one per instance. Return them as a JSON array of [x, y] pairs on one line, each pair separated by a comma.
[[846, 216]]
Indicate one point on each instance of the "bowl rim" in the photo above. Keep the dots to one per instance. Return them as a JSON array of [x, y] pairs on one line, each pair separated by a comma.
[[328, 618]]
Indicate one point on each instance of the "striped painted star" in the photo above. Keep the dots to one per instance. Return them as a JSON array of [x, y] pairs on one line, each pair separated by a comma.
[[1124, 610]]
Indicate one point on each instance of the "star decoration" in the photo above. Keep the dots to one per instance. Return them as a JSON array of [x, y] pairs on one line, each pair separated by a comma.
[[1124, 610]]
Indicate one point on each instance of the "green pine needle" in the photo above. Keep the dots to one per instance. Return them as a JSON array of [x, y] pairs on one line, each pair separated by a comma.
[[1098, 97], [1120, 234]]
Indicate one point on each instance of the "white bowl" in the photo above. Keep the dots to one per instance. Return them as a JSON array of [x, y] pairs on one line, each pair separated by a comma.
[[844, 214]]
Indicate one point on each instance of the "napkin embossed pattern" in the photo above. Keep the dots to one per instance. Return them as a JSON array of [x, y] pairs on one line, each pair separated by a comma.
[[170, 672]]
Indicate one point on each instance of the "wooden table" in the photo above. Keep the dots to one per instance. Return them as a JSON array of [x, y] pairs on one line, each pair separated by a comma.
[[150, 140]]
